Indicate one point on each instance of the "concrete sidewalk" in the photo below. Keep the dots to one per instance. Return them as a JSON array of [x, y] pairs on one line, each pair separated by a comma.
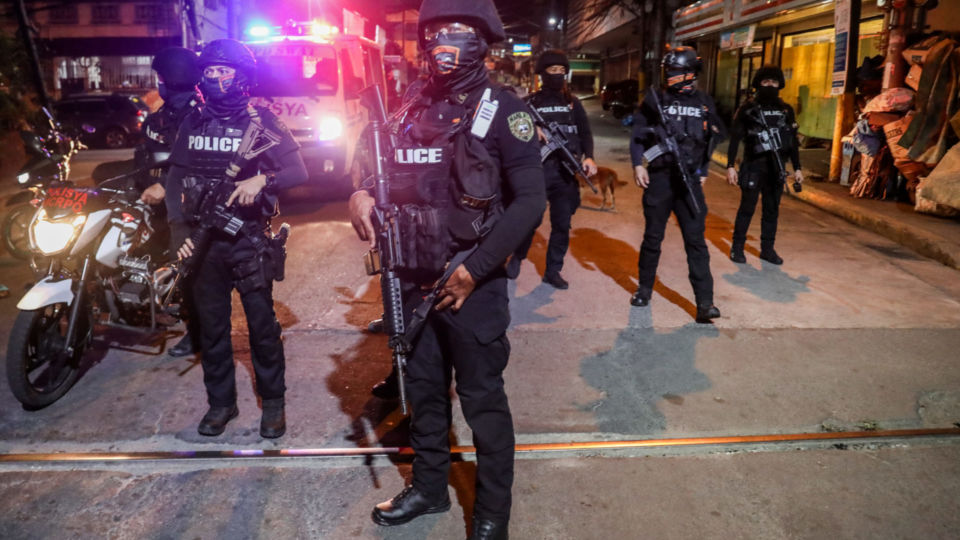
[[930, 236]]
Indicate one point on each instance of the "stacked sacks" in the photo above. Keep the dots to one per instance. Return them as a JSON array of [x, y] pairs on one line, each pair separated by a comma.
[[868, 137], [932, 129]]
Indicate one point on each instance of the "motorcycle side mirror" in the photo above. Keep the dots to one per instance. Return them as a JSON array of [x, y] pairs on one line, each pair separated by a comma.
[[88, 128], [32, 141]]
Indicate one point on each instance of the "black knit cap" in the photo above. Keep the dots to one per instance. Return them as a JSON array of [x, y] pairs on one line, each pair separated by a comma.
[[552, 57], [481, 14], [769, 72]]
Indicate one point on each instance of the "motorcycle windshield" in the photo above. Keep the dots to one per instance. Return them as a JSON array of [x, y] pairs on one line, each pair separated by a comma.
[[64, 201]]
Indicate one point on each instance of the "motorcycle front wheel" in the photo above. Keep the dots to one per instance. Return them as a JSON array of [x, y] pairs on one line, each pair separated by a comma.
[[38, 370], [16, 230]]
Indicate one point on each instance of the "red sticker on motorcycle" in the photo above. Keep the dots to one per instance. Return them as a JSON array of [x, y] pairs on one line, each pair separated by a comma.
[[64, 197]]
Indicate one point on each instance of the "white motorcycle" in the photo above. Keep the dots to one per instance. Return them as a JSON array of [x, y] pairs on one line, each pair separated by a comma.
[[99, 270]]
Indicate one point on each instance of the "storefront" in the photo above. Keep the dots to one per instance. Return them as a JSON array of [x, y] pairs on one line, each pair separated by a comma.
[[797, 36]]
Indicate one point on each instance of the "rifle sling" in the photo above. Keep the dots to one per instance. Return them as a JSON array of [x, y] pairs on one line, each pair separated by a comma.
[[422, 311]]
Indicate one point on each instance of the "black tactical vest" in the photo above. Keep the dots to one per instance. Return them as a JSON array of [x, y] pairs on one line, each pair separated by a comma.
[[553, 107], [775, 116], [212, 144], [445, 183], [687, 119]]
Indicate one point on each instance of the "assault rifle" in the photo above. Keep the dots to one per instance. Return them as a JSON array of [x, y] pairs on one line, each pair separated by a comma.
[[668, 146], [387, 258], [771, 143], [556, 141], [209, 210]]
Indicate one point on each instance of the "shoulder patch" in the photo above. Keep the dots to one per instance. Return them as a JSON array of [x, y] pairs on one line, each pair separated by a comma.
[[521, 125]]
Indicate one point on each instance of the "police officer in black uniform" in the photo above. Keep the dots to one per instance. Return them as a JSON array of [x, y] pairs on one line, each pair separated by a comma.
[[555, 103], [464, 337], [178, 73], [758, 176], [691, 119], [206, 147]]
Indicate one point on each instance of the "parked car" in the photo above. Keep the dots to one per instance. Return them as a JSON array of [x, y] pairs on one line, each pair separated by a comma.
[[620, 98], [116, 118]]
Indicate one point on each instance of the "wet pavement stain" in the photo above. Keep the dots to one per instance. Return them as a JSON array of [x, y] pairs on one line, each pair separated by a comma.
[[644, 368]]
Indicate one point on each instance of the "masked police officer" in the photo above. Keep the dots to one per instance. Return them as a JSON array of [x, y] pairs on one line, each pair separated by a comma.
[[178, 73], [212, 145], [765, 124], [555, 103], [464, 337], [689, 116]]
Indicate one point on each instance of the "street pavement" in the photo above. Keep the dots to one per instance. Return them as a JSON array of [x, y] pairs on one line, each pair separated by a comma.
[[853, 332]]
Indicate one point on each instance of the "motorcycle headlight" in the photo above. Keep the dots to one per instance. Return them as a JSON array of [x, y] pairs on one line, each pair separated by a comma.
[[23, 178], [51, 236], [329, 128]]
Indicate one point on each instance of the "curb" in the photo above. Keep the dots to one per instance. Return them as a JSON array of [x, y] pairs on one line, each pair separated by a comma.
[[925, 243]]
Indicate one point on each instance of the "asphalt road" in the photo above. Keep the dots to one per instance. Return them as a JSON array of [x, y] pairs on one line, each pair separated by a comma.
[[852, 332]]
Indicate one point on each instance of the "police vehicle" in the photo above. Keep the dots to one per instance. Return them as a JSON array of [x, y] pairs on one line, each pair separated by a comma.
[[310, 75]]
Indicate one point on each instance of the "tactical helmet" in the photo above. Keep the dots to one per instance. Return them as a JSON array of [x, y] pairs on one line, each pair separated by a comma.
[[768, 72], [552, 57], [178, 67], [229, 52], [681, 59], [481, 14]]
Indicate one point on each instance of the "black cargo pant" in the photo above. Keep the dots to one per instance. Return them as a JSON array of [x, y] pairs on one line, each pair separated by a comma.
[[770, 188], [563, 194], [665, 194], [470, 347], [212, 288]]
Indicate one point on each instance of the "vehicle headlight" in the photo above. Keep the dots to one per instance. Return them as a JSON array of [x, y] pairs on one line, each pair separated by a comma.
[[23, 178], [329, 128], [53, 236]]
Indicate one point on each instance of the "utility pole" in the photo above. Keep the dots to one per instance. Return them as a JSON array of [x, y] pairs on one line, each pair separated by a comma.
[[26, 33], [846, 102]]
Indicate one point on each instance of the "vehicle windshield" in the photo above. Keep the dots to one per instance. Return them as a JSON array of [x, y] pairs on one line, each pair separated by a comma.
[[295, 69]]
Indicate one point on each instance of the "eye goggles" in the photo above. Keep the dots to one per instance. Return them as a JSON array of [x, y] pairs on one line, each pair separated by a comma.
[[433, 31]]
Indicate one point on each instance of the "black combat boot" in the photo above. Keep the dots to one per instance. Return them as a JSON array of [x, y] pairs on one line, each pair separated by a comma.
[[215, 421], [555, 279], [706, 312], [387, 388], [273, 423], [640, 298], [185, 347], [736, 254], [488, 529], [409, 504], [769, 255]]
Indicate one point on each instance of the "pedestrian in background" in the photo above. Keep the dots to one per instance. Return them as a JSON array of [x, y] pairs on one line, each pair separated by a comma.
[[689, 116], [765, 124], [205, 149], [556, 103]]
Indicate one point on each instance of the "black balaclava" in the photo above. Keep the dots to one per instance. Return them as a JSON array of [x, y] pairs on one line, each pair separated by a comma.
[[456, 61], [553, 82], [768, 94], [226, 96]]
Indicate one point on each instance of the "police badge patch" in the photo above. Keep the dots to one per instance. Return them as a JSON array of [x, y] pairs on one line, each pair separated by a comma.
[[521, 125]]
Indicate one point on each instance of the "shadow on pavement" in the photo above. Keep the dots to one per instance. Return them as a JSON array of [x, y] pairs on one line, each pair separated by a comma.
[[643, 368]]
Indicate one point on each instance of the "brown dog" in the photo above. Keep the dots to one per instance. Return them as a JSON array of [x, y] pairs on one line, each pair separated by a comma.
[[606, 181]]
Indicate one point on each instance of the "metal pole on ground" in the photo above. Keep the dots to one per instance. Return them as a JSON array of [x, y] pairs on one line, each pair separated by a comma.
[[846, 102]]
